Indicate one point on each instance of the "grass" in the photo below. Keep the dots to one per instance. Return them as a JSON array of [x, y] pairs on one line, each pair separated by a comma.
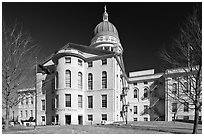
[[132, 128]]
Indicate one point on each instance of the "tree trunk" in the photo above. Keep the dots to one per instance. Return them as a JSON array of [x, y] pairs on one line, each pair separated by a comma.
[[7, 117], [195, 126]]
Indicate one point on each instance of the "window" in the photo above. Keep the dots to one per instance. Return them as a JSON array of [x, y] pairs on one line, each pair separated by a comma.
[[57, 101], [104, 117], [145, 82], [56, 79], [31, 100], [90, 101], [185, 87], [43, 118], [200, 118], [186, 118], [21, 101], [135, 109], [67, 59], [21, 114], [104, 61], [104, 79], [68, 78], [80, 101], [145, 93], [79, 62], [145, 107], [174, 107], [79, 80], [43, 87], [31, 113], [90, 117], [67, 100], [135, 119], [53, 104], [26, 100], [104, 101], [135, 93], [90, 64], [26, 113], [43, 105], [90, 81], [135, 83], [174, 89], [145, 119], [53, 85], [186, 107]]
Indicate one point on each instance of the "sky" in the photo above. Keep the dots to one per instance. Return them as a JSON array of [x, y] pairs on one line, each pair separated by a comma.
[[144, 28]]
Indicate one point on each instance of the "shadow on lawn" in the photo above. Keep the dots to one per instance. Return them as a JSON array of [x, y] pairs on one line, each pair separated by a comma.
[[163, 129]]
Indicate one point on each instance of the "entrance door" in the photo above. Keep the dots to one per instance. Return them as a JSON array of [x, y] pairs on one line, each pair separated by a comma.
[[80, 120], [68, 119]]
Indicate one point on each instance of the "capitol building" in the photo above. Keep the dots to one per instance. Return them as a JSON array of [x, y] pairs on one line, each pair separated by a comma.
[[88, 85]]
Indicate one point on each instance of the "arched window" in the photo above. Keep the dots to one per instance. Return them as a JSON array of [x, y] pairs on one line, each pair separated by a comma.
[[79, 80], [90, 81], [104, 79], [68, 78], [135, 93], [145, 92]]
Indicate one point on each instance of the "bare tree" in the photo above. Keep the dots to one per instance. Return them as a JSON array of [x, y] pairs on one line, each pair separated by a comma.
[[18, 52], [185, 56]]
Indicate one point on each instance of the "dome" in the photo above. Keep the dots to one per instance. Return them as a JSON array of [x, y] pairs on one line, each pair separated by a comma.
[[105, 27], [105, 31]]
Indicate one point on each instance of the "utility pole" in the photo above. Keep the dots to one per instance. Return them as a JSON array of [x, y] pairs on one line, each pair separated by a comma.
[[36, 70]]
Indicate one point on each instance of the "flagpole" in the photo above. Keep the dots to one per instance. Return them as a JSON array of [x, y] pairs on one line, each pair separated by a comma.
[[35, 92]]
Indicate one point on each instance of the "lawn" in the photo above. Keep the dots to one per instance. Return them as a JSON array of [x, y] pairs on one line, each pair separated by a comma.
[[131, 128]]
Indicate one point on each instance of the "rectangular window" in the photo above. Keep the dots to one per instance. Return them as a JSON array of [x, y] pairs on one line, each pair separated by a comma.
[[186, 118], [145, 107], [185, 87], [53, 85], [80, 62], [21, 114], [135, 119], [26, 113], [90, 117], [57, 101], [145, 82], [174, 107], [104, 61], [56, 80], [145, 119], [174, 88], [90, 64], [43, 105], [80, 101], [67, 59], [26, 100], [104, 117], [186, 107], [31, 113], [135, 109], [104, 101], [31, 100], [43, 118], [43, 87], [90, 101], [67, 100]]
